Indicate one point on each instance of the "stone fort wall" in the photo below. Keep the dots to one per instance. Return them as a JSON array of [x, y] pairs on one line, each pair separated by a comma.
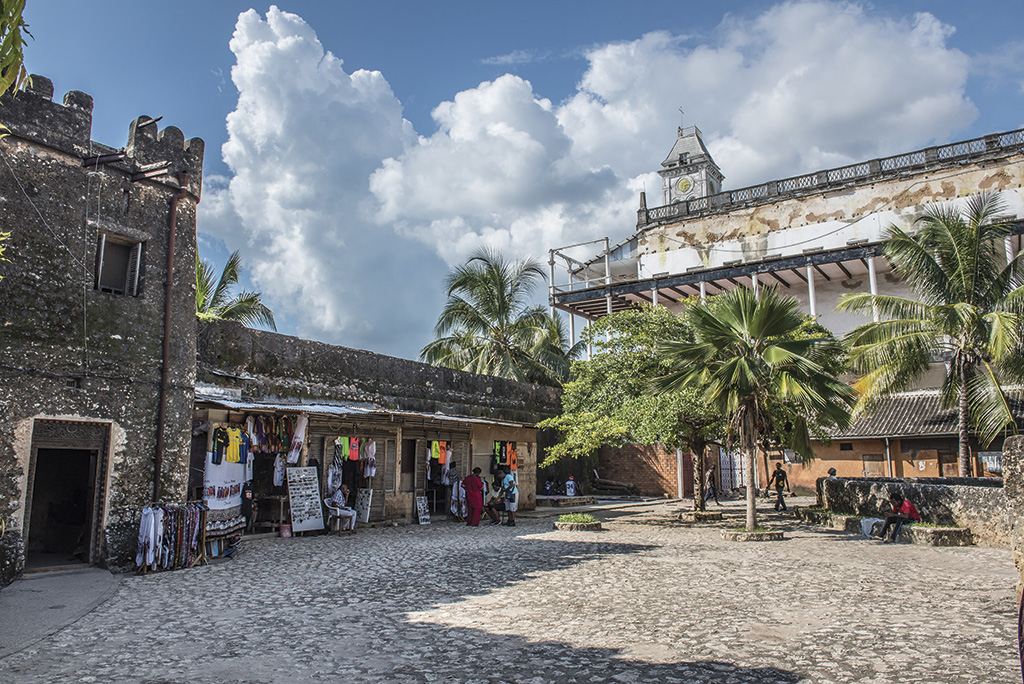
[[71, 354]]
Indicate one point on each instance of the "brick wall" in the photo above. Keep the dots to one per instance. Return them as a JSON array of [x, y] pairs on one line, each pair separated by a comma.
[[652, 468]]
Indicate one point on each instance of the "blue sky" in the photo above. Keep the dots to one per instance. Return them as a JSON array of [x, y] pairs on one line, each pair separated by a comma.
[[352, 181]]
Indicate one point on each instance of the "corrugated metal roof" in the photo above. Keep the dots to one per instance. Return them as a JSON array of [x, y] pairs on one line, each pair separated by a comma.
[[343, 410], [916, 414]]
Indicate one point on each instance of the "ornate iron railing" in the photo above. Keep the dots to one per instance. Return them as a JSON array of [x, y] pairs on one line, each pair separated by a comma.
[[844, 175]]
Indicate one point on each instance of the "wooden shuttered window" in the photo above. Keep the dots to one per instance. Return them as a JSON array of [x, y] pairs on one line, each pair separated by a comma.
[[118, 266]]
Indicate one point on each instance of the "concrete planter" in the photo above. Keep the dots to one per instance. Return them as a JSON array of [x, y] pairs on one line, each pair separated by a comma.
[[578, 527], [743, 536], [691, 517]]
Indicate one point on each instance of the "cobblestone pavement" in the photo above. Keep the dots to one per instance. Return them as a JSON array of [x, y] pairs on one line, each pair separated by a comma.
[[646, 600]]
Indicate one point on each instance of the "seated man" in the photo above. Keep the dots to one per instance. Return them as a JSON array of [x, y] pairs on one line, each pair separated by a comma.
[[570, 486], [902, 511], [496, 503], [338, 503]]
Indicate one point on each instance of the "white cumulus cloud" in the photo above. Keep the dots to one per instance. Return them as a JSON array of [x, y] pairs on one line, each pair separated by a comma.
[[348, 217], [303, 141]]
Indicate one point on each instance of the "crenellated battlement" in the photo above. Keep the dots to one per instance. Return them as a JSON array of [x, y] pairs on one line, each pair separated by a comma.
[[33, 115], [160, 154]]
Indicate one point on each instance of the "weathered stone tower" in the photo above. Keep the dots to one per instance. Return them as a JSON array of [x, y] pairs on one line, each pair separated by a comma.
[[97, 329]]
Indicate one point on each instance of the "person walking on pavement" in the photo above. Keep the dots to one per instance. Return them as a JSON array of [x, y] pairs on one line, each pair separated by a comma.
[[474, 487], [710, 490], [511, 498], [781, 480]]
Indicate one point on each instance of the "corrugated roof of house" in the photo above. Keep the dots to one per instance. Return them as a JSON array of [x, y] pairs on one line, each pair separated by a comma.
[[916, 414]]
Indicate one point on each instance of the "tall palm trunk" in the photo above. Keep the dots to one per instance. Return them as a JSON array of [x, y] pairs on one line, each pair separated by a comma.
[[965, 446], [749, 439]]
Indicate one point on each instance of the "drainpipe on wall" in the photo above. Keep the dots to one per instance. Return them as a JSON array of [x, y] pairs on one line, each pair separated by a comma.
[[165, 368], [679, 473], [888, 458]]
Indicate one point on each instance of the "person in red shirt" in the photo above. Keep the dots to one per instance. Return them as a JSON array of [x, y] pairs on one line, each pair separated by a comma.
[[902, 511]]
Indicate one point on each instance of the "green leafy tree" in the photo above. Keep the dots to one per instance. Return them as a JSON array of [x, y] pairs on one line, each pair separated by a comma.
[[968, 310], [12, 43], [216, 300], [609, 399], [12, 66], [489, 325], [746, 358]]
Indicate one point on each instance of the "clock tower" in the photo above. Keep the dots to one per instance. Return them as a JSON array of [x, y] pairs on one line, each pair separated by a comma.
[[689, 171]]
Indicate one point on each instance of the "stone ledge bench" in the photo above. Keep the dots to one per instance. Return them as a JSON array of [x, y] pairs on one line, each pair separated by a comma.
[[566, 501], [909, 534]]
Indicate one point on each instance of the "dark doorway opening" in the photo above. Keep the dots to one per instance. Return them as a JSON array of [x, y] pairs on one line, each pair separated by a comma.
[[408, 469], [63, 498]]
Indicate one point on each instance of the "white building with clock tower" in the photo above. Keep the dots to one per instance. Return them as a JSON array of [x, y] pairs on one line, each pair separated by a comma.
[[689, 171]]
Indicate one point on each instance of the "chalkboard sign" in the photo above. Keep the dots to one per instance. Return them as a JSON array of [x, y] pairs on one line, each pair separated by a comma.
[[304, 499], [423, 510]]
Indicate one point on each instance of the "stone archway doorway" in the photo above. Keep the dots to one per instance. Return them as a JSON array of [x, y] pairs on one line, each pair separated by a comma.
[[65, 493]]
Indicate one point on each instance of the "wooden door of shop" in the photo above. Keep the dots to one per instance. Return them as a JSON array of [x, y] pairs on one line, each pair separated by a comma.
[[949, 464], [874, 465]]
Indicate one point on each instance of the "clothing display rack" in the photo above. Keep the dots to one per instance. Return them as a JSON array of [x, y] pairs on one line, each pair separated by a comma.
[[171, 537]]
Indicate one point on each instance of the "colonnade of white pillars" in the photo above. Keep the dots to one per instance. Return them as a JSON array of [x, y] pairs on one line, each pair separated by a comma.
[[812, 302]]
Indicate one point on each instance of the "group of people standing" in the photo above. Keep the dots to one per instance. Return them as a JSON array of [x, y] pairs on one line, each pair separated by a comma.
[[779, 478], [505, 498]]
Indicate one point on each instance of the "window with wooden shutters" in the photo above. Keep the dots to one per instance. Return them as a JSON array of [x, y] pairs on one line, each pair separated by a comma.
[[118, 265]]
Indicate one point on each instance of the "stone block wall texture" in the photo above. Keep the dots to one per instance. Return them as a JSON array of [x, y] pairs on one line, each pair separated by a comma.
[[68, 351], [975, 503], [652, 468], [1013, 491], [270, 366]]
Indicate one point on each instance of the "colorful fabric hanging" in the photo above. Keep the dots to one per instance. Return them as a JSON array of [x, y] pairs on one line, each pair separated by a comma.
[[353, 448]]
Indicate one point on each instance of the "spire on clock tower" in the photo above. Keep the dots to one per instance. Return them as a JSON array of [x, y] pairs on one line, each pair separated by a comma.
[[689, 171]]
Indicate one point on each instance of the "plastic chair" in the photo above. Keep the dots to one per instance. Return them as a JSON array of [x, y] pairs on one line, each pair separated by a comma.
[[333, 516]]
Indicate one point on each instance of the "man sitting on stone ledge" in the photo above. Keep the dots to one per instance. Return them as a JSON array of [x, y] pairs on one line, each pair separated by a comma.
[[902, 511]]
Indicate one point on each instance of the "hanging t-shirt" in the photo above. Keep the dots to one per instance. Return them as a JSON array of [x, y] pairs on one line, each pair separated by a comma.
[[232, 453], [279, 471], [298, 439], [511, 456], [435, 450], [220, 443], [370, 458], [353, 448], [442, 452]]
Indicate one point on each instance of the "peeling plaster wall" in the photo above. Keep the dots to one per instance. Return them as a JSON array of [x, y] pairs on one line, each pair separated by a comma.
[[825, 219], [69, 352]]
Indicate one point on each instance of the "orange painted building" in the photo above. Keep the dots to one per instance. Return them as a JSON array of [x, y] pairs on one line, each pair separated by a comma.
[[908, 435]]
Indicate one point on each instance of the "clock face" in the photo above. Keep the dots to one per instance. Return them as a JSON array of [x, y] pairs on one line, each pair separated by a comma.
[[684, 185]]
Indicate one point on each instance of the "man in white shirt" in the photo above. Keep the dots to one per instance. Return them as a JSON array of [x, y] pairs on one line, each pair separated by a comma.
[[511, 498], [339, 508]]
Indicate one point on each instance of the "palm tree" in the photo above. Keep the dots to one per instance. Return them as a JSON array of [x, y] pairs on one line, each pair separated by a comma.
[[968, 310], [489, 325], [217, 302], [747, 361]]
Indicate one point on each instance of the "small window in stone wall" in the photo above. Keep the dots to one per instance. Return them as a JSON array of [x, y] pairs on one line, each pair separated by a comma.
[[846, 446], [118, 265]]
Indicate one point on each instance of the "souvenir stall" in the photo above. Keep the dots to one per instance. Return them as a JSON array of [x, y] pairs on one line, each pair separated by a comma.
[[443, 492], [271, 437], [350, 458], [228, 469]]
